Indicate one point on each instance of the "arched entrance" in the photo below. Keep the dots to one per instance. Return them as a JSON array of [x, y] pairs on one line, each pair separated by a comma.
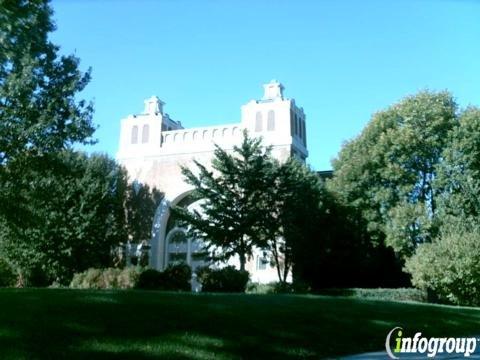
[[170, 243]]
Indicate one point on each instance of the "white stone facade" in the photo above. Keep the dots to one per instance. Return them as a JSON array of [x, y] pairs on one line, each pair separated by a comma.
[[153, 147]]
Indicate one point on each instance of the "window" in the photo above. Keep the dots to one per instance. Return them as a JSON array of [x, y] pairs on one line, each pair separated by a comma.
[[304, 137], [145, 134], [177, 248], [296, 126], [135, 134], [291, 122], [261, 262], [271, 121], [258, 122]]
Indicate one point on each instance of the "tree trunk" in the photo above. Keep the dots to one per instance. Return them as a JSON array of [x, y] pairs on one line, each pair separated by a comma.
[[242, 261]]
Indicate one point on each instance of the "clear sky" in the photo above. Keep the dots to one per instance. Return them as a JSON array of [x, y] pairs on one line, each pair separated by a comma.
[[340, 60]]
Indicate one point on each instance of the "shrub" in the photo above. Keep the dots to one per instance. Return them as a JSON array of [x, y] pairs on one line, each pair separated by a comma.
[[149, 279], [7, 274], [227, 279], [399, 294], [278, 288], [449, 267], [257, 288], [109, 278], [177, 277], [173, 278]]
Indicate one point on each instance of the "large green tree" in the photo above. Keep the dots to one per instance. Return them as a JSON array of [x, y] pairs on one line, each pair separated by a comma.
[[232, 198], [449, 265], [388, 172], [39, 110], [66, 212]]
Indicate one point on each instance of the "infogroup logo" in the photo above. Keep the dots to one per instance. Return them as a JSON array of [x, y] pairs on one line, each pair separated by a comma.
[[428, 346]]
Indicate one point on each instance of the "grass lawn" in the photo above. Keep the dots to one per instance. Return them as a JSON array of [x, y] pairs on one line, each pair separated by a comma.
[[76, 324]]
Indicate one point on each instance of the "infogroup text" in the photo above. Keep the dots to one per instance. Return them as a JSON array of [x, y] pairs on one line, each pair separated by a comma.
[[428, 346]]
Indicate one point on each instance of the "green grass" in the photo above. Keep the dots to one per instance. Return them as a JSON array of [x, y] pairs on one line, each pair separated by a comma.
[[76, 324]]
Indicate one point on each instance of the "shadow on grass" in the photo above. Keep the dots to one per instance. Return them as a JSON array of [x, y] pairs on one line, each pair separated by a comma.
[[73, 324]]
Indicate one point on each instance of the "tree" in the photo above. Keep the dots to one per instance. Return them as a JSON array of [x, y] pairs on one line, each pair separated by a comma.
[[233, 198], [293, 204], [39, 112], [141, 202], [388, 173], [459, 172], [65, 215], [449, 267]]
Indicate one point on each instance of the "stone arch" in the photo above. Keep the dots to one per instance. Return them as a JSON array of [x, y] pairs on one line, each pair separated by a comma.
[[162, 223]]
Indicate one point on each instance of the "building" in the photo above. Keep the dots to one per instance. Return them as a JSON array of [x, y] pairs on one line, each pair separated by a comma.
[[153, 147]]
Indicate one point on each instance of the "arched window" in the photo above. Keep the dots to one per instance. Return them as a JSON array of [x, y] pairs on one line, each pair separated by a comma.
[[177, 247], [145, 134], [258, 122], [271, 121], [135, 134]]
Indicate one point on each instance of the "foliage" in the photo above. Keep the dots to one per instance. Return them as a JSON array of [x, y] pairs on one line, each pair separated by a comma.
[[397, 294], [64, 214], [339, 252], [141, 204], [233, 200], [459, 173], [150, 279], [173, 278], [450, 266], [388, 172], [292, 203], [109, 278], [227, 279], [39, 112], [278, 288], [176, 277]]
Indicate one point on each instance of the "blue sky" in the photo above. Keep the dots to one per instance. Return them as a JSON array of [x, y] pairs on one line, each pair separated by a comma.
[[340, 60]]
